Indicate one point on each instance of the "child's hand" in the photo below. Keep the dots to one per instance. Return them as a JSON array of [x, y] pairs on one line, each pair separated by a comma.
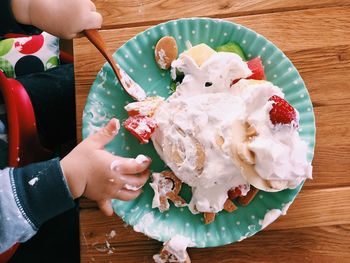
[[99, 175], [62, 18]]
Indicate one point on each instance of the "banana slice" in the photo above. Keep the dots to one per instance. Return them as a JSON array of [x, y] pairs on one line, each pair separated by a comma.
[[245, 159], [249, 173], [199, 53]]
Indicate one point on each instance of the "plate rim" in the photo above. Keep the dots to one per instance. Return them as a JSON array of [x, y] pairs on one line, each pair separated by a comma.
[[217, 20]]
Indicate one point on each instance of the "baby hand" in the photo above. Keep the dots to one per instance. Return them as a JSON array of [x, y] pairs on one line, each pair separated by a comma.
[[62, 18], [99, 175]]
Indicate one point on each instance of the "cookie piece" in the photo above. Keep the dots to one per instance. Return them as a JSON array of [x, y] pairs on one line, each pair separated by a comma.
[[229, 206], [209, 217], [165, 52], [166, 187], [245, 200]]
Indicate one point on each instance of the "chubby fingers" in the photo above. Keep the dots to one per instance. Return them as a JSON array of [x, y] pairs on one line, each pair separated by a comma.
[[126, 187], [93, 21], [92, 5], [106, 207], [130, 165], [135, 182], [129, 182], [127, 195], [123, 195], [106, 134]]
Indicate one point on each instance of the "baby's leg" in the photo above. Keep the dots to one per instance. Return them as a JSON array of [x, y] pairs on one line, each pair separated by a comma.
[[53, 97]]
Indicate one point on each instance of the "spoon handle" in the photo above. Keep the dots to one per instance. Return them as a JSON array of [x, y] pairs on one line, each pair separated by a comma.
[[95, 38], [129, 85]]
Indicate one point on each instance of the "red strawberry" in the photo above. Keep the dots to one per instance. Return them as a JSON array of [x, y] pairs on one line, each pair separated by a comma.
[[133, 113], [257, 68], [142, 127], [282, 112]]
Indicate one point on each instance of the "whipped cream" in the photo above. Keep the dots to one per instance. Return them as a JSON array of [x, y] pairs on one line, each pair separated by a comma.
[[130, 86], [33, 181], [176, 246], [214, 75], [141, 159], [280, 154], [155, 182], [273, 214], [191, 145], [202, 133], [161, 61], [144, 223], [132, 187]]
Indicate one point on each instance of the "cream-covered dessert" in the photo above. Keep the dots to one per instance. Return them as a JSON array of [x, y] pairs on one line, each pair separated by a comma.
[[224, 129], [280, 154], [216, 136], [195, 129]]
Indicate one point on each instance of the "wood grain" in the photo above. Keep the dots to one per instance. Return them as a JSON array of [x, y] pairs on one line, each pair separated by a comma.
[[315, 227], [119, 13], [320, 207], [310, 244]]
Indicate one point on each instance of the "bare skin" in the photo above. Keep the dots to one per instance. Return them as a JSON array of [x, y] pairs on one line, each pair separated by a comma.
[[88, 170], [63, 18]]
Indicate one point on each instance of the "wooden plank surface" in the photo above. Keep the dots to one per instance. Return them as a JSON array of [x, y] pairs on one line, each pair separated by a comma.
[[321, 207], [311, 244], [120, 13], [315, 36], [312, 209]]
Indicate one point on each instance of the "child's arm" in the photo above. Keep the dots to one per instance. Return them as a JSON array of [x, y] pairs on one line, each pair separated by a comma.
[[99, 175], [63, 18], [28, 197], [31, 195]]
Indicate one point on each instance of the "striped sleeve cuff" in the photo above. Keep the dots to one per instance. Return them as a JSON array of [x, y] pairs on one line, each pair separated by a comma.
[[41, 191], [14, 227]]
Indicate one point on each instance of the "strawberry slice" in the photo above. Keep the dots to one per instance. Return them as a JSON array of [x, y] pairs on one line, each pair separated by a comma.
[[257, 69], [282, 112], [256, 66], [142, 127]]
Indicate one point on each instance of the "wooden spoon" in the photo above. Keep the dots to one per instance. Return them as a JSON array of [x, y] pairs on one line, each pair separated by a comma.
[[129, 85]]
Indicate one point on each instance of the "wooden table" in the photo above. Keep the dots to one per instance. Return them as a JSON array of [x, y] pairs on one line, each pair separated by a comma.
[[315, 35]]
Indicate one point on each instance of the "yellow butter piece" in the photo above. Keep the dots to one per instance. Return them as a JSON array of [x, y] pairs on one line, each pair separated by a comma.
[[200, 53]]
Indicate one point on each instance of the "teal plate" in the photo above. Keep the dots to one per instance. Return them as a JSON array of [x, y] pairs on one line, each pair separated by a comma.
[[107, 99]]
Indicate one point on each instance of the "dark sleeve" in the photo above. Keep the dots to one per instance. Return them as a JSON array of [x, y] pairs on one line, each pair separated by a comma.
[[8, 23], [41, 191], [52, 94]]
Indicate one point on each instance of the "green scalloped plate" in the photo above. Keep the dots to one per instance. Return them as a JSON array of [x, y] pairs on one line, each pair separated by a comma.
[[107, 99]]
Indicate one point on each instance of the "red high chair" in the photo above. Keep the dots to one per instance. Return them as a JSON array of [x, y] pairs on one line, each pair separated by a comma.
[[23, 140], [24, 145]]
